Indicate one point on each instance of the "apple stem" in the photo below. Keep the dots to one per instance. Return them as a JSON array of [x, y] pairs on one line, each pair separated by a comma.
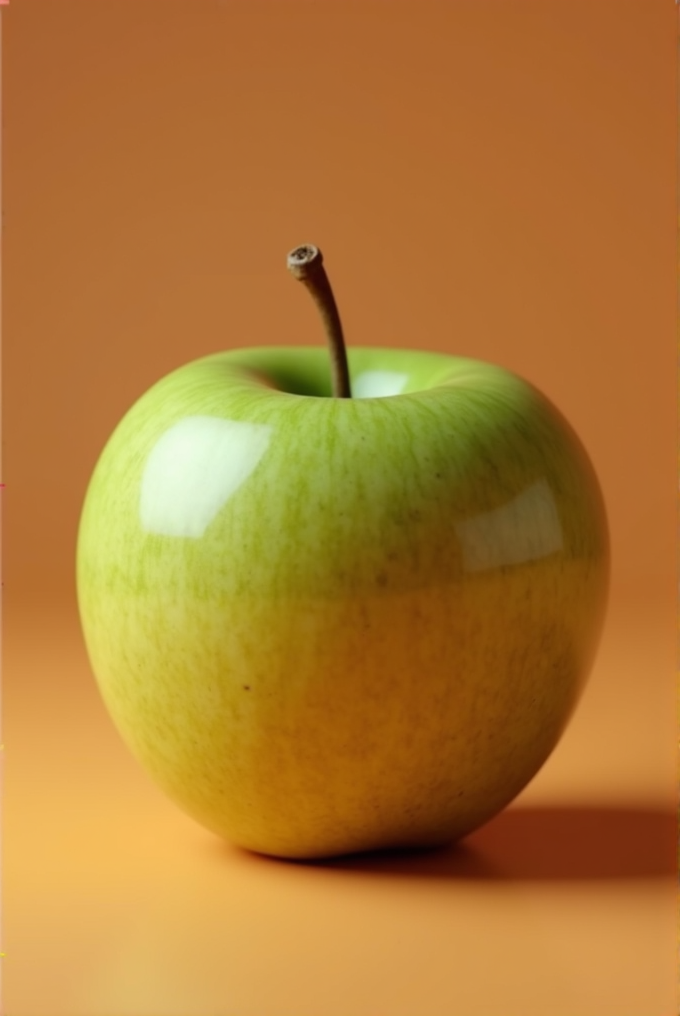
[[306, 264]]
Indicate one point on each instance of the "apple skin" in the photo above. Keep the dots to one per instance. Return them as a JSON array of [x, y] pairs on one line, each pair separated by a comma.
[[326, 626]]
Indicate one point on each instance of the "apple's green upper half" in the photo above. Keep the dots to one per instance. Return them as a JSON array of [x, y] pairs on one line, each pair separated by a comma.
[[210, 457], [327, 625]]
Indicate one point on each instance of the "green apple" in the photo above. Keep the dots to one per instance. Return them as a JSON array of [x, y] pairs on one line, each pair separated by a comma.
[[327, 625]]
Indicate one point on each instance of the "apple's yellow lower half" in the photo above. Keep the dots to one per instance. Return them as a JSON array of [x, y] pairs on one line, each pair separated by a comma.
[[353, 726]]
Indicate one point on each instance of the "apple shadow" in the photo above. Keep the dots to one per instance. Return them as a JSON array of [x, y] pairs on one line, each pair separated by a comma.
[[559, 843]]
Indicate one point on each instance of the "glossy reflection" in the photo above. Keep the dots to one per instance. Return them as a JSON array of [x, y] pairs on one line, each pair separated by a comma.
[[527, 528], [374, 384], [193, 470]]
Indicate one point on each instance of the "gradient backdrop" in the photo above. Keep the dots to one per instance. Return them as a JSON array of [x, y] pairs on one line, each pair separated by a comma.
[[494, 178]]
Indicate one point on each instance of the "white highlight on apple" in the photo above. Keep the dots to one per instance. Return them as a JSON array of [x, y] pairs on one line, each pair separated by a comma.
[[376, 384], [193, 470], [525, 529]]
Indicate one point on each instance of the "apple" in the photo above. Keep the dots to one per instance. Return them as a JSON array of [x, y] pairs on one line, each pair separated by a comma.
[[325, 624]]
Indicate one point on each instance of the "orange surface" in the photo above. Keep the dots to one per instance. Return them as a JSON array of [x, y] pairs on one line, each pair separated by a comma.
[[495, 179]]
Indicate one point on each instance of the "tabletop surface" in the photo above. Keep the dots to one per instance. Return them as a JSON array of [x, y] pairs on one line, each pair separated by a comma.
[[116, 903]]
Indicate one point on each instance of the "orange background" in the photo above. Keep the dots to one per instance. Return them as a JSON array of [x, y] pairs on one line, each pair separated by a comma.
[[492, 178]]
